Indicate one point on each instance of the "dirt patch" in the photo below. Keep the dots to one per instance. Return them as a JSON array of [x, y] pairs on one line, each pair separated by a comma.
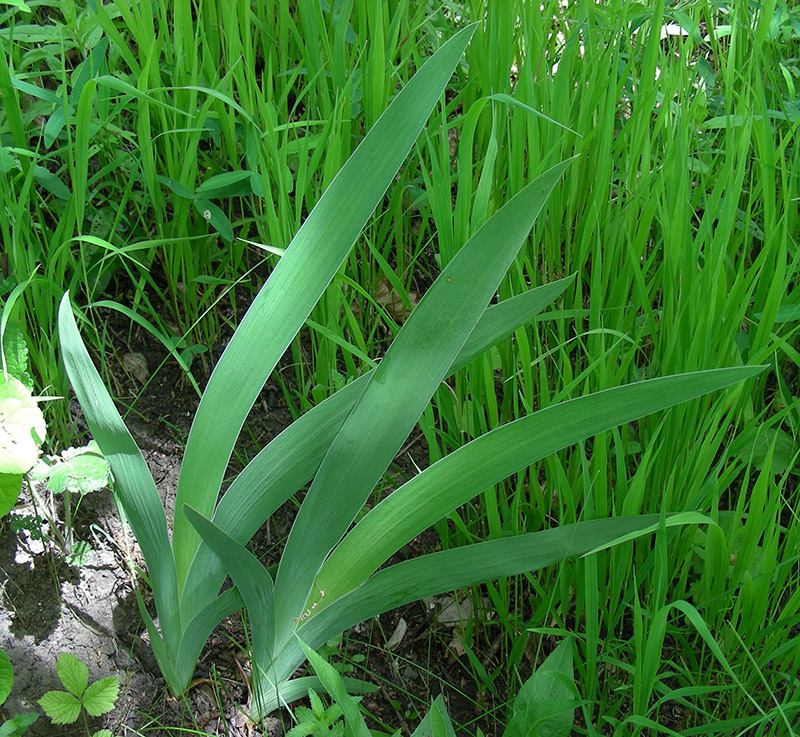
[[51, 608]]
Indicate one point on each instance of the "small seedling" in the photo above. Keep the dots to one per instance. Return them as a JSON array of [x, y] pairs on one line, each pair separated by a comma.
[[20, 723], [65, 707], [318, 720], [74, 473]]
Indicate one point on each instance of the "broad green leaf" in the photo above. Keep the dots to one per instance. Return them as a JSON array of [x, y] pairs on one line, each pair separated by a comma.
[[76, 470], [80, 555], [41, 93], [23, 721], [49, 181], [436, 723], [215, 217], [22, 427], [458, 477], [15, 355], [61, 707], [14, 348], [18, 725], [73, 673], [6, 160], [785, 313], [758, 443], [6, 676], [283, 304], [21, 4], [400, 388], [101, 695], [103, 733], [724, 121], [545, 704], [176, 187], [10, 487]]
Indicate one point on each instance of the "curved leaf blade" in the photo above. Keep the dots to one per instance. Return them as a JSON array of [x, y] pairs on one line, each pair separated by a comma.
[[133, 482], [436, 573], [458, 477], [250, 578]]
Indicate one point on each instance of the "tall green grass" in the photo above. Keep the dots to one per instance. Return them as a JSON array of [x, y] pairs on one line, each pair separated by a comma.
[[680, 219]]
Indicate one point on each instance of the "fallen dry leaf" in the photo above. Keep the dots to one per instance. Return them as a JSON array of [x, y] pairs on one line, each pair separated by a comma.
[[398, 634], [390, 299], [136, 365]]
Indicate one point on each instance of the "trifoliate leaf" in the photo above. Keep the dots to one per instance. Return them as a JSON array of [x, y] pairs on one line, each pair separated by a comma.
[[61, 707], [73, 674], [101, 695], [10, 486], [6, 677], [22, 427]]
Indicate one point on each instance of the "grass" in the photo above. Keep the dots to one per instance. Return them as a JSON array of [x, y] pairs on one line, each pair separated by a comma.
[[680, 219]]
